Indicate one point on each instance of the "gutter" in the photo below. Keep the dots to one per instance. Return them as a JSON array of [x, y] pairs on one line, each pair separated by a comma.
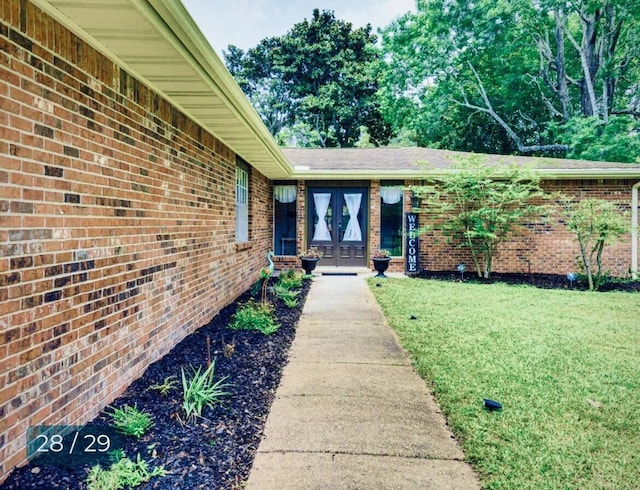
[[302, 172], [634, 230]]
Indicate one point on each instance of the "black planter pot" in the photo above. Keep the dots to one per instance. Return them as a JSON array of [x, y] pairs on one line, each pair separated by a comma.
[[381, 265], [308, 264]]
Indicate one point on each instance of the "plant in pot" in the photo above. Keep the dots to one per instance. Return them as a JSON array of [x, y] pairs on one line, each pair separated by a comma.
[[309, 258], [381, 259]]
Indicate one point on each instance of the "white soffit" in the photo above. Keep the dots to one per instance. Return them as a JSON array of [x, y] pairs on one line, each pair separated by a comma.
[[158, 42]]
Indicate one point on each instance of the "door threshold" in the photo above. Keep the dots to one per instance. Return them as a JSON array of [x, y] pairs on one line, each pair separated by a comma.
[[328, 270], [339, 273]]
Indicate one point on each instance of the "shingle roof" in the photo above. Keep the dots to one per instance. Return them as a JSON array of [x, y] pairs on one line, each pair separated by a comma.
[[407, 161]]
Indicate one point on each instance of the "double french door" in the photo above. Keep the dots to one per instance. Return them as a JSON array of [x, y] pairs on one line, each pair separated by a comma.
[[337, 222]]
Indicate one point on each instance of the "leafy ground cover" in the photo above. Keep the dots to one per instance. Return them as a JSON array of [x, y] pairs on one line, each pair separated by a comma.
[[214, 451], [565, 364]]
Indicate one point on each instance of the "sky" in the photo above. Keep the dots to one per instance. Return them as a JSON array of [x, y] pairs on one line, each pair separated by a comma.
[[246, 22]]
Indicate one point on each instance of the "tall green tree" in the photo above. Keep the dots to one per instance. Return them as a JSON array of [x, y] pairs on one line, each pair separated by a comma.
[[319, 77], [509, 75]]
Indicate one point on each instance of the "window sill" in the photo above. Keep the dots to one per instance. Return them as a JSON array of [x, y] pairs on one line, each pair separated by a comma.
[[241, 247]]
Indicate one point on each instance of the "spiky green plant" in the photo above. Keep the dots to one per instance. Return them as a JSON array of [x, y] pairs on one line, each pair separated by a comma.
[[202, 390]]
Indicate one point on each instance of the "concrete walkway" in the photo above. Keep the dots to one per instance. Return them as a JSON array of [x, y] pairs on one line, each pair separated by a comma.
[[350, 411]]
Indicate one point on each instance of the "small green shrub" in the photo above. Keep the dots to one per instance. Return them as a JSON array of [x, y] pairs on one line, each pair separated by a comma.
[[289, 279], [254, 316], [122, 474], [596, 223], [167, 385], [290, 302], [131, 421], [284, 293], [201, 390]]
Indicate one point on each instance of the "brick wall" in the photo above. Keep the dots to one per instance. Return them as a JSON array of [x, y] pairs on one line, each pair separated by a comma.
[[548, 248], [539, 247], [116, 227]]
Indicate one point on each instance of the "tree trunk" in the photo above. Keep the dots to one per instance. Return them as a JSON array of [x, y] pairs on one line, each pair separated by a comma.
[[474, 256], [561, 71], [610, 36], [587, 267], [589, 60], [487, 264], [599, 249]]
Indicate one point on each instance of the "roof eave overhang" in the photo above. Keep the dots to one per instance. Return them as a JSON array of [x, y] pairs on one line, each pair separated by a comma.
[[250, 138], [198, 51]]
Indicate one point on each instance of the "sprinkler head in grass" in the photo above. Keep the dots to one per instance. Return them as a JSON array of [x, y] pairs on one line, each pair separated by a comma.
[[492, 405]]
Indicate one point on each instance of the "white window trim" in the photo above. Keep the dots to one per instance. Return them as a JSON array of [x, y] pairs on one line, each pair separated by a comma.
[[242, 202]]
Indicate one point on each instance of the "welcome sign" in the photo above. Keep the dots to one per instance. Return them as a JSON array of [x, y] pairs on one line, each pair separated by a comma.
[[412, 243]]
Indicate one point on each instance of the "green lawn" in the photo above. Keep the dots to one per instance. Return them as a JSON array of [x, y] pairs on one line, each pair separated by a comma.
[[564, 364]]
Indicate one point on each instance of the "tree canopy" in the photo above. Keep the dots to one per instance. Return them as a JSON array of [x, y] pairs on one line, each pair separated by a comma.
[[315, 85], [516, 76], [544, 77]]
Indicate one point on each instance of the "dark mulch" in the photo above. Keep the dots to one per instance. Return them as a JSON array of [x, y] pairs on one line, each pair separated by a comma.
[[544, 281], [216, 452]]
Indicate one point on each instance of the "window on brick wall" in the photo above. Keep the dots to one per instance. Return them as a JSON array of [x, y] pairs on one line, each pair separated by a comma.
[[284, 218], [391, 207], [242, 202]]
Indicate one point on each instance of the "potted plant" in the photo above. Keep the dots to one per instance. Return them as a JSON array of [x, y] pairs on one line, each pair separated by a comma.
[[310, 258], [381, 260]]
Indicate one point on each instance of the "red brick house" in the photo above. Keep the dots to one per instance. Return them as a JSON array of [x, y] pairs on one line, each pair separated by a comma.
[[140, 193], [377, 173]]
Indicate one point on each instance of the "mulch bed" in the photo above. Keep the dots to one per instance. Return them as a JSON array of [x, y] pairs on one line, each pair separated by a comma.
[[218, 450], [545, 281]]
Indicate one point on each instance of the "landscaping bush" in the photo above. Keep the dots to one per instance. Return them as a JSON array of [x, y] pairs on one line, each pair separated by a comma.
[[289, 279], [122, 474], [255, 316], [479, 207], [131, 421], [595, 223]]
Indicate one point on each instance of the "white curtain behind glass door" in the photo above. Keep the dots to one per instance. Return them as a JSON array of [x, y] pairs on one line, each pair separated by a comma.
[[391, 194], [321, 201], [353, 232]]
